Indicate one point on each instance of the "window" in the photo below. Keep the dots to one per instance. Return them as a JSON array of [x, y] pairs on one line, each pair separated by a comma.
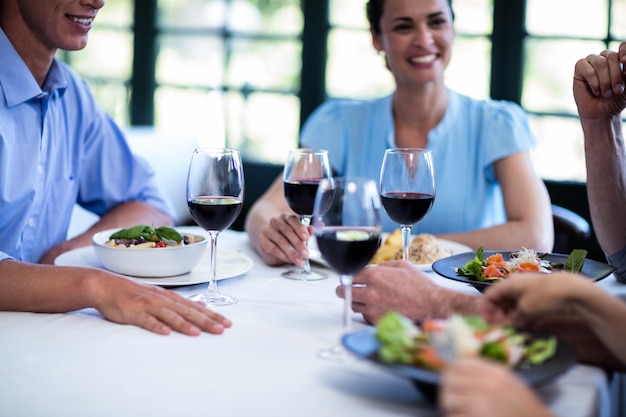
[[246, 73]]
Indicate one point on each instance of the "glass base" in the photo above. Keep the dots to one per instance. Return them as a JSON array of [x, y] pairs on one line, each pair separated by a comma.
[[214, 299], [312, 275], [335, 354]]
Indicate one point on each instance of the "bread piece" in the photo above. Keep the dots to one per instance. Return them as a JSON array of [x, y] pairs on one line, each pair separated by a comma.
[[425, 249]]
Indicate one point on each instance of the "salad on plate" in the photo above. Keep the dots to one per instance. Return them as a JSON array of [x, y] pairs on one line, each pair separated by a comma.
[[436, 342], [495, 267]]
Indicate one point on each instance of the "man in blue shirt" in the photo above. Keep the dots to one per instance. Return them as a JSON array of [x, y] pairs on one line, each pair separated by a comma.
[[58, 148]]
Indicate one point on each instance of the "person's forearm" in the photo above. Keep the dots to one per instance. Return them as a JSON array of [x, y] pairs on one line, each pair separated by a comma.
[[446, 302], [258, 217], [45, 288], [512, 234], [605, 157], [269, 205]]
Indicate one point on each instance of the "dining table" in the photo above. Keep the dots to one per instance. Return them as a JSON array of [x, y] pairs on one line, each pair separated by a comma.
[[80, 364]]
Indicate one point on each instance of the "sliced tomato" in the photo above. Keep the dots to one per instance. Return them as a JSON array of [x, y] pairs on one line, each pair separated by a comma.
[[432, 325], [429, 358], [492, 272], [528, 267], [160, 244], [497, 260]]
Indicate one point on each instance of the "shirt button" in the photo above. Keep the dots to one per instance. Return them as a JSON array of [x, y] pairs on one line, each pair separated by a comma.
[[31, 222], [39, 169]]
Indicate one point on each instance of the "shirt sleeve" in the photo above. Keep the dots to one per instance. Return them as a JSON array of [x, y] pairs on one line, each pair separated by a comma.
[[507, 131], [325, 130], [114, 175]]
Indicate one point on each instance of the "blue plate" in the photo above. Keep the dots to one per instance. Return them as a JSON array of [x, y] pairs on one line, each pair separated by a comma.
[[365, 345]]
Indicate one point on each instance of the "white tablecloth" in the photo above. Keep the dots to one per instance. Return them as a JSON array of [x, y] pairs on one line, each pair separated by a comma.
[[78, 364]]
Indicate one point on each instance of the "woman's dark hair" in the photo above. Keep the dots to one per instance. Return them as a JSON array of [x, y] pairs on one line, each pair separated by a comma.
[[374, 10]]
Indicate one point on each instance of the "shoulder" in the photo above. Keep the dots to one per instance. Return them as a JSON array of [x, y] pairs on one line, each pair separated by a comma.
[[488, 109], [347, 109]]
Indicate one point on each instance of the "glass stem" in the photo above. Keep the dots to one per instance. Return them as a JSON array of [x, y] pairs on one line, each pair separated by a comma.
[[346, 281], [212, 289], [406, 242], [305, 268]]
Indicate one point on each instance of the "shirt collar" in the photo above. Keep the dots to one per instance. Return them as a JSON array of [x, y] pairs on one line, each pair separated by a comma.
[[16, 81]]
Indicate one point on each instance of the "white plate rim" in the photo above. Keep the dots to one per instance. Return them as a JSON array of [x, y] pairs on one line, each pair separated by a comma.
[[455, 247], [229, 264]]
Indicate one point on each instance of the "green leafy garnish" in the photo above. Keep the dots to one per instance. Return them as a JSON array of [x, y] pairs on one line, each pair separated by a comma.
[[540, 350], [396, 334], [136, 232], [148, 233], [474, 267], [575, 260], [168, 233]]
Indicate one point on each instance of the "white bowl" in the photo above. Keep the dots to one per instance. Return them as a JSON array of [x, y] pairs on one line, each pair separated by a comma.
[[148, 262]]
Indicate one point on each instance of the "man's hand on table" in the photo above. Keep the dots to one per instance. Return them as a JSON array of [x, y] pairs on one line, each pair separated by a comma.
[[153, 308]]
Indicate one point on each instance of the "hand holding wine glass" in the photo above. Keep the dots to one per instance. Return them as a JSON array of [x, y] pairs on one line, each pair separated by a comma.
[[407, 188], [215, 187], [304, 170], [347, 227]]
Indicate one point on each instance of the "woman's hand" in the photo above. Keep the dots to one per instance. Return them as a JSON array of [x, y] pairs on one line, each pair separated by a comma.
[[284, 240]]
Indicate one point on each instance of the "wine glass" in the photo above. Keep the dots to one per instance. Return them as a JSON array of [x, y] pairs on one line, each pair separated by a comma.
[[215, 187], [407, 188], [304, 170], [347, 227]]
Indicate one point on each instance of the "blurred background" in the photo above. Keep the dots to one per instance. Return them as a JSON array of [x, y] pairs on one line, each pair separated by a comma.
[[247, 73]]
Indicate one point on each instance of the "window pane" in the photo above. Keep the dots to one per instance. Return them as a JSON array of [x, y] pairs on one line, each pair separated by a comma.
[[192, 61], [264, 64], [354, 69], [193, 113], [263, 126], [114, 98], [253, 16], [577, 18], [470, 67], [548, 73], [618, 16], [348, 13], [559, 154], [109, 54], [116, 13], [473, 16]]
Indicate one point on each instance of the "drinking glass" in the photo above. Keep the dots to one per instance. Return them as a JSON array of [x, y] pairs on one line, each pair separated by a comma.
[[347, 227], [407, 188], [304, 170], [215, 187]]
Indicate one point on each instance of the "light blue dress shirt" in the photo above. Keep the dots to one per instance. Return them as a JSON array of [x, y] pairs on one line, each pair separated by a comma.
[[472, 135], [58, 148]]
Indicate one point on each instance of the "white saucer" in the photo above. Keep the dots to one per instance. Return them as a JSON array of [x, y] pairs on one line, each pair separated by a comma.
[[229, 264]]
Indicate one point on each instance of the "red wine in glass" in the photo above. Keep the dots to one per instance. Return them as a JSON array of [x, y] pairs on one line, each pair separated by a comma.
[[215, 190], [350, 250], [214, 213], [407, 207], [300, 195], [347, 224], [407, 188], [304, 169]]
